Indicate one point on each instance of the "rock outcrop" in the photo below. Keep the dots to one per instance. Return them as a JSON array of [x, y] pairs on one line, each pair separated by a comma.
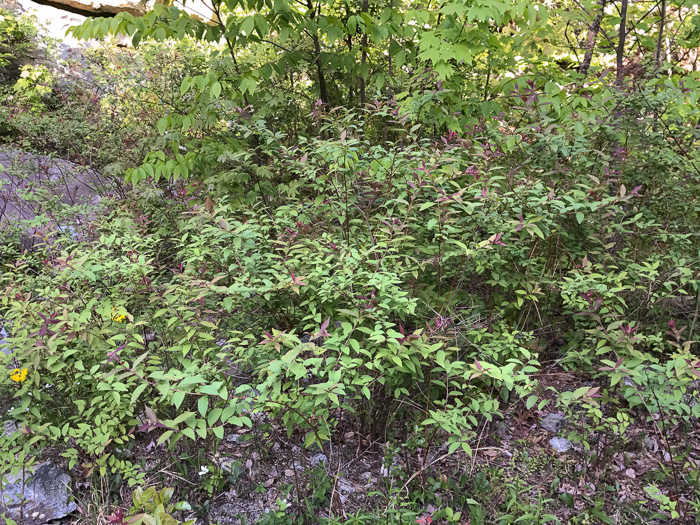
[[23, 175], [46, 496]]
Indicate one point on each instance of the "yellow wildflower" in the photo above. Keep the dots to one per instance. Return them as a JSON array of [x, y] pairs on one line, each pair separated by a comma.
[[19, 375], [116, 316]]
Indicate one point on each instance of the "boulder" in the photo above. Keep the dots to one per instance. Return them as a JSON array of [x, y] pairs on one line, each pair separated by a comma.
[[553, 423], [27, 181], [46, 496]]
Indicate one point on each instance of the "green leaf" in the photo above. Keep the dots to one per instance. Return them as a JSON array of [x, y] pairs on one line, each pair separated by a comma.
[[203, 405], [261, 24], [178, 398], [212, 389], [228, 412], [352, 25], [603, 517], [182, 417], [215, 90], [568, 499], [213, 416], [136, 393], [248, 25], [366, 392], [164, 436], [192, 379], [579, 392], [186, 85], [579, 217], [248, 84]]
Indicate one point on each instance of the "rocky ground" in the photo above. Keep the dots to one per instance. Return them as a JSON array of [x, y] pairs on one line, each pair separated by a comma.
[[266, 471]]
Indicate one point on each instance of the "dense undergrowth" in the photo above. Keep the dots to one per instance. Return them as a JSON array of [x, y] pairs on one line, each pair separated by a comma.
[[323, 271]]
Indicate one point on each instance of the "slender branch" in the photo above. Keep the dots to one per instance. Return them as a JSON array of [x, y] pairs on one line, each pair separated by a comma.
[[621, 42]]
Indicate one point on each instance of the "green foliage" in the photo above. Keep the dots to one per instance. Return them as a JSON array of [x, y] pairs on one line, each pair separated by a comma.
[[16, 37], [33, 85], [364, 215], [154, 508]]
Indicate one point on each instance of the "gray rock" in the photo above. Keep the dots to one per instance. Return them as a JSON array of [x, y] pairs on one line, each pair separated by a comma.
[[9, 428], [25, 172], [317, 459], [560, 444], [553, 423], [46, 496], [345, 488], [4, 345], [233, 511], [257, 417], [650, 444], [235, 438], [501, 429]]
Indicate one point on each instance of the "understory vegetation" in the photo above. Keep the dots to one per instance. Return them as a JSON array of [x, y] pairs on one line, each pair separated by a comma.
[[362, 237]]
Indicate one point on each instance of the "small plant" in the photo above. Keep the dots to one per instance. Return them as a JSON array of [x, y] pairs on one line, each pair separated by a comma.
[[668, 506], [34, 84], [151, 508]]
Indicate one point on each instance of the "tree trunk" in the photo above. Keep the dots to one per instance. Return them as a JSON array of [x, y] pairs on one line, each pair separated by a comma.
[[365, 8], [660, 40], [621, 42], [391, 73], [391, 39], [591, 38], [323, 89], [351, 84]]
